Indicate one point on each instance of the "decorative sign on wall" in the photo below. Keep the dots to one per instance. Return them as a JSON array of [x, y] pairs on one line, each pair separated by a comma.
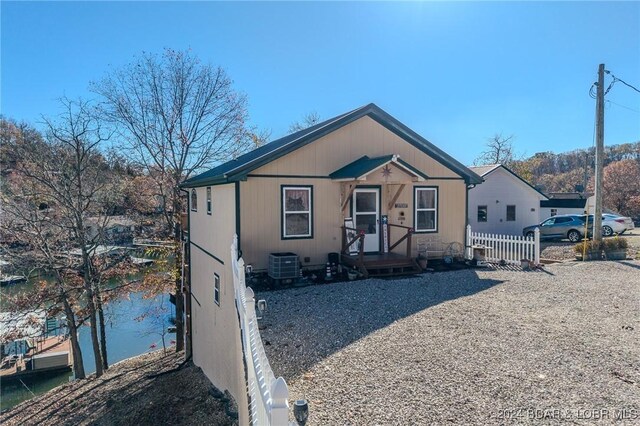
[[385, 233], [386, 172], [401, 205]]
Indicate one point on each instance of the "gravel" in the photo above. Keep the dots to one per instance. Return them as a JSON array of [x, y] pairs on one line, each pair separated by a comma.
[[471, 346]]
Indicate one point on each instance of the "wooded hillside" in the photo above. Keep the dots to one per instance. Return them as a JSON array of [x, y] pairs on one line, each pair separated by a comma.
[[573, 172]]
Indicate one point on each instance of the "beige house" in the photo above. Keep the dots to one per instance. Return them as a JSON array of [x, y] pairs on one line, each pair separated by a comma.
[[331, 188]]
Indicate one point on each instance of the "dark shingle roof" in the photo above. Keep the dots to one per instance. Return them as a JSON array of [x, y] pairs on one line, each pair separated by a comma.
[[238, 168], [569, 203]]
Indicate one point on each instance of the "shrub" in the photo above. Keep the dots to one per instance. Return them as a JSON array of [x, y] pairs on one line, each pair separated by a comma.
[[590, 246], [614, 244]]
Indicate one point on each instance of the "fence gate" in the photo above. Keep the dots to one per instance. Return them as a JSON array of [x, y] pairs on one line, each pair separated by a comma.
[[508, 248]]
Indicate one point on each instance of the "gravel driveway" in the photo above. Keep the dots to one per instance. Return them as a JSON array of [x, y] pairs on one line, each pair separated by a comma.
[[471, 347]]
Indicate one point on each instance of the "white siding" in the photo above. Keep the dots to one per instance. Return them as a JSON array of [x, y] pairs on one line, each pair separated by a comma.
[[499, 190]]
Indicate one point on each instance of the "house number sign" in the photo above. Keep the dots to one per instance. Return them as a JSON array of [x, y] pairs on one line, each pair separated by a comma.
[[401, 205]]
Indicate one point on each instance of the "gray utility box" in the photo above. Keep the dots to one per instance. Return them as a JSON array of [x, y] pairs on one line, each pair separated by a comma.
[[284, 266]]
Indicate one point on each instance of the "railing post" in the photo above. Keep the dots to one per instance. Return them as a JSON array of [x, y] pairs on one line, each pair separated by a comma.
[[250, 301], [409, 233], [468, 243], [279, 415], [361, 254], [537, 246]]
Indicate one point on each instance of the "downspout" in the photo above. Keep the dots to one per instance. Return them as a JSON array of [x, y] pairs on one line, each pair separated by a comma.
[[187, 252], [468, 186], [238, 221]]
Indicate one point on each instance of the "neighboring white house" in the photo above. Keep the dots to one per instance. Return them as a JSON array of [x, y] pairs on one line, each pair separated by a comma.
[[505, 203], [565, 203]]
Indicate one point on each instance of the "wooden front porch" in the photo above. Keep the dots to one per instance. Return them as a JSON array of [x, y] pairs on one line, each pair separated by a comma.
[[378, 264], [382, 264]]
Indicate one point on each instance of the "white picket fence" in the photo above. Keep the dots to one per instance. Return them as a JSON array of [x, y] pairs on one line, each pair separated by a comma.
[[268, 396], [508, 248]]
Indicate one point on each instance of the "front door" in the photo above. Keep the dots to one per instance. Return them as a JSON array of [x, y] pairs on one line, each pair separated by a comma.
[[366, 216]]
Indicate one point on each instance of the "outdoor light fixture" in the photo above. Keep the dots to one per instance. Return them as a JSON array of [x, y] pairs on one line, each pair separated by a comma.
[[261, 307], [301, 411]]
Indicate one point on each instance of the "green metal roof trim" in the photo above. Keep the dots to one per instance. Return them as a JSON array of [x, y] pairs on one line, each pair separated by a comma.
[[365, 165], [237, 169]]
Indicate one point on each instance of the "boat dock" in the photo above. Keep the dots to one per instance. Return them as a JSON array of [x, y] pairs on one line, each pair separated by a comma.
[[48, 355]]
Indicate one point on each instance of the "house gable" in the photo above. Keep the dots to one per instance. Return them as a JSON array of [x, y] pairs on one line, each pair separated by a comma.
[[241, 167], [488, 171], [363, 137]]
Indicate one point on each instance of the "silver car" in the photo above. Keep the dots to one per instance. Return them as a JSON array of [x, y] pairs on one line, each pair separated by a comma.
[[562, 226], [614, 224]]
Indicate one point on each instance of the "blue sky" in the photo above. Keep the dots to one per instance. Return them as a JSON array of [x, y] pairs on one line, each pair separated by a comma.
[[456, 72]]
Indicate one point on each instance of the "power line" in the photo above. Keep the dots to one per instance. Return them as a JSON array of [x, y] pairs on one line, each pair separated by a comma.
[[622, 106], [616, 79]]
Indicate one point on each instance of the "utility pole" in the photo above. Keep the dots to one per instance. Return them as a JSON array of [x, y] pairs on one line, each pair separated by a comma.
[[585, 181], [597, 216]]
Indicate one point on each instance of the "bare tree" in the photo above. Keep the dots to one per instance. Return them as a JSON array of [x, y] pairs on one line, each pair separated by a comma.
[[67, 173], [499, 151], [175, 115], [307, 121], [26, 225]]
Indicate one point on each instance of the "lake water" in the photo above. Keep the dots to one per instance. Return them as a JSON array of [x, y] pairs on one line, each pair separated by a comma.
[[126, 337]]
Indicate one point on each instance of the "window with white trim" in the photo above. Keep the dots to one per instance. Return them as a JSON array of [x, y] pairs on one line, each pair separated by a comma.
[[208, 200], [216, 288], [194, 200], [297, 204], [425, 218]]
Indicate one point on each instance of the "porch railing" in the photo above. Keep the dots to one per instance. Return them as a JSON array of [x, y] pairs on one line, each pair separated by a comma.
[[268, 395], [360, 236], [407, 236], [505, 248]]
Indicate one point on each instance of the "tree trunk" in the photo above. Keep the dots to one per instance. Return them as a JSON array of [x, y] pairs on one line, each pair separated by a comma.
[[177, 232], [179, 300], [94, 331], [78, 362], [103, 334]]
